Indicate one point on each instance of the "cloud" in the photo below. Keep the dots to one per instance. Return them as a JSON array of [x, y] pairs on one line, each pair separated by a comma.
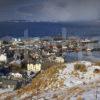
[[63, 10], [53, 10]]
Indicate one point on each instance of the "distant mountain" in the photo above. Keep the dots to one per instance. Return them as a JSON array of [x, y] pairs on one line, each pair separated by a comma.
[[16, 28]]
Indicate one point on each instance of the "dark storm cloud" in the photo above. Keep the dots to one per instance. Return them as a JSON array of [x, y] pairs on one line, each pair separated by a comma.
[[6, 3], [50, 10]]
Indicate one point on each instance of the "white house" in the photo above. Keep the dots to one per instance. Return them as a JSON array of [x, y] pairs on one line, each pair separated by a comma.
[[35, 68], [59, 60], [16, 75], [3, 58]]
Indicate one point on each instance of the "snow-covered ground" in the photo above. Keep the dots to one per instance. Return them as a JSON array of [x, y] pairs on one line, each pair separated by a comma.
[[93, 94], [5, 90], [82, 80], [70, 80]]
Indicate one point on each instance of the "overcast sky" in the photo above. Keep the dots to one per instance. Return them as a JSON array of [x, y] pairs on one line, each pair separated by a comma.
[[50, 10]]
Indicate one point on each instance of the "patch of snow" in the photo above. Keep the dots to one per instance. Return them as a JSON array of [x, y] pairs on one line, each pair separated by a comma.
[[5, 90], [89, 95], [71, 80]]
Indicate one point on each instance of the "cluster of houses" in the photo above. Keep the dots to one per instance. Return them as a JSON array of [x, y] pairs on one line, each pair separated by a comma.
[[22, 59]]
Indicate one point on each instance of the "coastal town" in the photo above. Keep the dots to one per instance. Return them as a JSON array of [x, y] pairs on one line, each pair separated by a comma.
[[23, 59], [49, 49]]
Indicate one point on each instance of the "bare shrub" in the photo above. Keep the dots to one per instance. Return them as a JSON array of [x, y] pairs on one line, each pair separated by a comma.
[[79, 98], [80, 67]]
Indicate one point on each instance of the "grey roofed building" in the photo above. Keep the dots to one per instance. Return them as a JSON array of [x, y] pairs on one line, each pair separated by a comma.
[[8, 83]]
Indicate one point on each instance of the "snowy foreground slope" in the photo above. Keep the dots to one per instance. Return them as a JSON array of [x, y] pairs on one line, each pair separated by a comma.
[[75, 84], [71, 80], [89, 95]]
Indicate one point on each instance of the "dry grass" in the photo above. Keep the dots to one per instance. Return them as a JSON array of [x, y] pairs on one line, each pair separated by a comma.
[[80, 67], [7, 96], [46, 79], [97, 63], [75, 73], [79, 98], [75, 90], [97, 71]]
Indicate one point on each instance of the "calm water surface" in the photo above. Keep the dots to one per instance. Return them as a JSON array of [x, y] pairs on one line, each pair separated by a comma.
[[74, 56]]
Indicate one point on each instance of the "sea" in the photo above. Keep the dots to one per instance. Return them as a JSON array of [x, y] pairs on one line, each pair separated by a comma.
[[82, 55], [41, 29]]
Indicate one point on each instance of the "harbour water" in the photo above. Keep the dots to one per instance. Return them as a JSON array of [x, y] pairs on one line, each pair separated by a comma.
[[74, 56]]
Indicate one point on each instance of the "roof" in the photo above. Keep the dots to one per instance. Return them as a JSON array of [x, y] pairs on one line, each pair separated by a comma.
[[9, 81]]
